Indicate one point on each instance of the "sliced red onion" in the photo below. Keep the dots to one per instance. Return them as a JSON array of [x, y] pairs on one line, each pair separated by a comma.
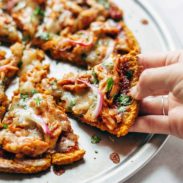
[[40, 121], [82, 43], [99, 98]]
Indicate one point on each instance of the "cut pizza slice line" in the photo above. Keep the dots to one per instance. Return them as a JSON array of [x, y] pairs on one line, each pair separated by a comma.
[[94, 45], [27, 14], [9, 67], [8, 30], [100, 97]]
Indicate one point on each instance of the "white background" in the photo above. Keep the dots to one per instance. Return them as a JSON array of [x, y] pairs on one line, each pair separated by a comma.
[[167, 166]]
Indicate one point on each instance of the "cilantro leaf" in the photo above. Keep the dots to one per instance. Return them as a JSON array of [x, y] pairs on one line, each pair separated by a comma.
[[20, 64], [34, 91], [110, 83], [44, 36], [124, 100], [37, 101], [24, 96], [5, 126], [38, 11], [129, 74], [104, 3], [95, 139], [95, 79]]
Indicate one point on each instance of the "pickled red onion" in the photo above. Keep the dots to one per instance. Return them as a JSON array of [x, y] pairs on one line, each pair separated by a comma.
[[99, 98]]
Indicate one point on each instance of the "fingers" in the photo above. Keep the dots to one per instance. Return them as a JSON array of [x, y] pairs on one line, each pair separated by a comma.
[[160, 59], [158, 81], [152, 124], [154, 106]]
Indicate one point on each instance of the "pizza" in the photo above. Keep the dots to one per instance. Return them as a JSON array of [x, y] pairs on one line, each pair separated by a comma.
[[100, 97], [27, 15], [35, 130], [8, 29], [34, 126], [9, 66]]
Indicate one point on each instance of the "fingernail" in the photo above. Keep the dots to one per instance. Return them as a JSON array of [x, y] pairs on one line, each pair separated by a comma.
[[134, 92]]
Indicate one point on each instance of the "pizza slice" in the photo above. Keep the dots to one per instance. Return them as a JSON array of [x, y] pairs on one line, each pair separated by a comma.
[[100, 97], [8, 29], [9, 66], [92, 46], [63, 17], [27, 14], [35, 127]]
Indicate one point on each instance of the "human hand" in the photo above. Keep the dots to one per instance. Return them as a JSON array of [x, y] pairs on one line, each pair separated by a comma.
[[162, 75]]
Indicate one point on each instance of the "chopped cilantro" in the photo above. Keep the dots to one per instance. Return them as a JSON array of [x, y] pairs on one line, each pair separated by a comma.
[[20, 64], [110, 83], [121, 109], [24, 106], [26, 38], [24, 96], [38, 11], [129, 74], [5, 126], [104, 3], [34, 91], [95, 139], [71, 104], [44, 36], [95, 79], [38, 101], [124, 100], [96, 152]]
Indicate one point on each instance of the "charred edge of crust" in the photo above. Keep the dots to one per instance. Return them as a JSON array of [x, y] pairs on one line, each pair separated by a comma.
[[67, 158]]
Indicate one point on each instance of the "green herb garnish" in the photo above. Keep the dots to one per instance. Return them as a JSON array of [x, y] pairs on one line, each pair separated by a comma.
[[95, 139], [38, 101], [71, 104], [26, 38], [124, 100], [95, 79], [96, 152], [20, 64], [44, 36], [129, 74], [34, 91], [121, 109], [38, 11], [104, 3], [24, 96], [110, 83], [5, 126]]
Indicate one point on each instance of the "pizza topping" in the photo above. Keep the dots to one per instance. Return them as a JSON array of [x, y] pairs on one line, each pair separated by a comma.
[[110, 83], [124, 100], [38, 101], [95, 79], [104, 3], [44, 36], [82, 38], [99, 98], [95, 139], [38, 11]]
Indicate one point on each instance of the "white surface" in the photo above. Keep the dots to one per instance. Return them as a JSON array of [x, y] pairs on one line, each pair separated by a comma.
[[167, 165]]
